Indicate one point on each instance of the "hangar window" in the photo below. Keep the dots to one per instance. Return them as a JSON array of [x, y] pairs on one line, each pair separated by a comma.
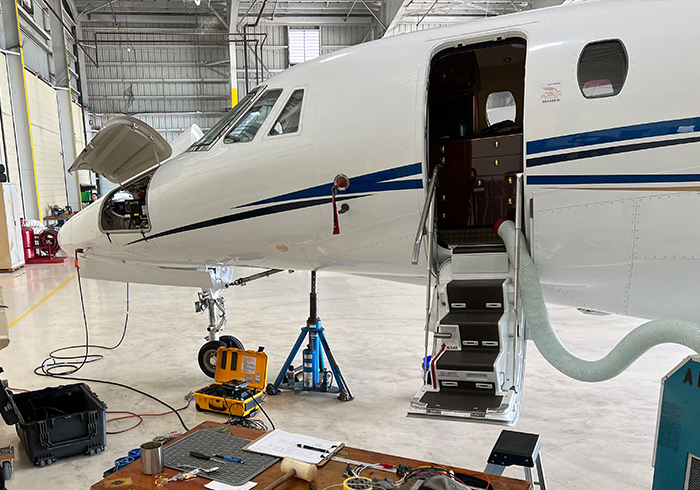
[[288, 122], [304, 45], [249, 124], [602, 69]]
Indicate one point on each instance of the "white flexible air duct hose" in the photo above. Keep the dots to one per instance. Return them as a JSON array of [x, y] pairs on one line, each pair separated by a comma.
[[628, 350]]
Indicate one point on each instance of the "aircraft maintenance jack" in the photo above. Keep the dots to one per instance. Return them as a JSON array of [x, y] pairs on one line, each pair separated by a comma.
[[314, 376]]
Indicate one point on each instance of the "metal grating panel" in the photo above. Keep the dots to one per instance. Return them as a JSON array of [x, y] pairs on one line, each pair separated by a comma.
[[692, 476], [210, 442]]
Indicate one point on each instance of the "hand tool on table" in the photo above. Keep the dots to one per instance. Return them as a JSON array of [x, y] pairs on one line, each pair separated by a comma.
[[184, 475], [294, 468], [197, 455], [228, 458], [375, 466], [203, 470]]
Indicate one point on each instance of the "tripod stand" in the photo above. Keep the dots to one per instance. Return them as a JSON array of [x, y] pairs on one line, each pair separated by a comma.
[[314, 376]]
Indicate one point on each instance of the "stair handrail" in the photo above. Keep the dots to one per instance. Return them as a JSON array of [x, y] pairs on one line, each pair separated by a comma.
[[424, 215], [518, 227]]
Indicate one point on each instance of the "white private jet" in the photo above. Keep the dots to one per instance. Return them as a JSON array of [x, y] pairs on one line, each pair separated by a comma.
[[580, 124]]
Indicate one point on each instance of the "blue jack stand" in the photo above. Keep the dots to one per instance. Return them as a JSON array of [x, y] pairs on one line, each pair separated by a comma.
[[314, 376]]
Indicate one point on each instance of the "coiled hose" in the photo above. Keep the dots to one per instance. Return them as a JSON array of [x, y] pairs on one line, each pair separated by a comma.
[[628, 350]]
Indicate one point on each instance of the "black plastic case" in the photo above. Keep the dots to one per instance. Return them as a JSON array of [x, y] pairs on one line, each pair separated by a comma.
[[56, 422]]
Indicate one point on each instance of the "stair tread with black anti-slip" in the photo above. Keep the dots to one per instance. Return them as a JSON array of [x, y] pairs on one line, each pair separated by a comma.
[[484, 295], [468, 359], [448, 399]]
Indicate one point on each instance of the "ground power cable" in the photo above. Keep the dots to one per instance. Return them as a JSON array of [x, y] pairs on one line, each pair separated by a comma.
[[69, 365]]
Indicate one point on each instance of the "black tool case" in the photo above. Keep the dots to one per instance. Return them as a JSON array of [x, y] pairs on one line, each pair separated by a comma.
[[56, 422]]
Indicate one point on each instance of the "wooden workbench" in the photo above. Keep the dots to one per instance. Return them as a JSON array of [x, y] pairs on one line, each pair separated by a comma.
[[329, 474]]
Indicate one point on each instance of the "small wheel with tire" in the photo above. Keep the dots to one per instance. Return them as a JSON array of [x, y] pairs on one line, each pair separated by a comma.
[[270, 389], [345, 396], [232, 342], [7, 469], [207, 357]]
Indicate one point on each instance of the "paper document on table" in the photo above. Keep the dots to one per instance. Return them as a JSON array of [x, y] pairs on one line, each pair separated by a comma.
[[297, 446], [217, 485]]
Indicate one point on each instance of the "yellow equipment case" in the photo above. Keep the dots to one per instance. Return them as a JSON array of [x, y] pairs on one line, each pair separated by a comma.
[[241, 377]]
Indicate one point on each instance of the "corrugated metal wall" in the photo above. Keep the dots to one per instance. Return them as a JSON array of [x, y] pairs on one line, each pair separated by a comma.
[[169, 86], [334, 38], [12, 163], [46, 136], [175, 81], [79, 134], [36, 41]]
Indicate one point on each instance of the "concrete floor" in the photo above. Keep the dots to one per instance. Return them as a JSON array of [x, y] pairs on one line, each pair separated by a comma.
[[594, 435]]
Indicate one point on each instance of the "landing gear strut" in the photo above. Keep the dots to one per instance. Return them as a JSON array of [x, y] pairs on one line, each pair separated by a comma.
[[213, 301]]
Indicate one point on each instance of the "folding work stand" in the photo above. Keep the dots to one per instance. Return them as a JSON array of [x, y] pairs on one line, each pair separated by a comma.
[[519, 449], [314, 375]]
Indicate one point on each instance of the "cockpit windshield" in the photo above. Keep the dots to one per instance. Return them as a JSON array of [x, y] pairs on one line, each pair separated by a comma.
[[248, 126], [213, 134]]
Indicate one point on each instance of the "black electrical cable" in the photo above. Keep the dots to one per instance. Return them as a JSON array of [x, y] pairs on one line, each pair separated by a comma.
[[72, 364], [263, 410], [114, 383], [71, 368]]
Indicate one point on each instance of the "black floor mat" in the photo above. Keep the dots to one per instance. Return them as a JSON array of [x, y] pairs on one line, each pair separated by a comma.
[[450, 400]]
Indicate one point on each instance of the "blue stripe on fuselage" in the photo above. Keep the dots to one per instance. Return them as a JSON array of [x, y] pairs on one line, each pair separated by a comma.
[[384, 180], [610, 179], [614, 135]]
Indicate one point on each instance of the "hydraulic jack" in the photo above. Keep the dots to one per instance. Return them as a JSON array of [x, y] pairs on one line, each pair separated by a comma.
[[313, 376]]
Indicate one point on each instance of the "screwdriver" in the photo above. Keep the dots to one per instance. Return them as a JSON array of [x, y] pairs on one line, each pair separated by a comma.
[[197, 455], [227, 458]]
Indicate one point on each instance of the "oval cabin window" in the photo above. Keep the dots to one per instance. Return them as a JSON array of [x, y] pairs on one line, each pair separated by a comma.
[[500, 106], [602, 69]]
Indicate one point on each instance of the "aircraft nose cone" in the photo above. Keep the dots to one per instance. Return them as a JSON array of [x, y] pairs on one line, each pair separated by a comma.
[[64, 237], [81, 231]]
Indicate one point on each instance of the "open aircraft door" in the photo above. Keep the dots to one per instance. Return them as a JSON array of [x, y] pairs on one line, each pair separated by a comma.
[[124, 148]]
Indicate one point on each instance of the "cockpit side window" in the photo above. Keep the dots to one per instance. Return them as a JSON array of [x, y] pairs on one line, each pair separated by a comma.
[[213, 134], [602, 69], [288, 121], [249, 124]]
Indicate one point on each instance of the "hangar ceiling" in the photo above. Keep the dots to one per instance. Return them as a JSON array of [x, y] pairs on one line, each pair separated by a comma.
[[215, 13]]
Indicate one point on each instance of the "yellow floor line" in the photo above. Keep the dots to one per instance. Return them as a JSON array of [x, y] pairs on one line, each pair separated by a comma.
[[42, 301]]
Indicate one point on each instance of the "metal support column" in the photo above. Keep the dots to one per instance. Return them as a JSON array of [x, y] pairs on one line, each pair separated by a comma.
[[82, 72], [65, 106], [12, 42], [233, 27]]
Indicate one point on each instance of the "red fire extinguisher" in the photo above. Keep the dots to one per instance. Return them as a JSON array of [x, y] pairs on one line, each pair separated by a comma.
[[28, 241]]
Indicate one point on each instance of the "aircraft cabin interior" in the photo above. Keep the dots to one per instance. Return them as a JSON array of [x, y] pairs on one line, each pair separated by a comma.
[[475, 134]]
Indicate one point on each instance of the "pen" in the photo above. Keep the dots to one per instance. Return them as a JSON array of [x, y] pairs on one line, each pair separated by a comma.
[[311, 448], [227, 458], [197, 455]]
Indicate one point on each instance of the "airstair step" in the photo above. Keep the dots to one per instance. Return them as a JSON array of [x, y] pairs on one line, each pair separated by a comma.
[[459, 400], [479, 249], [477, 295], [473, 359]]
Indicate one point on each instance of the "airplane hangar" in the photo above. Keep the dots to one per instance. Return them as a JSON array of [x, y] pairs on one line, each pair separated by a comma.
[[88, 84]]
